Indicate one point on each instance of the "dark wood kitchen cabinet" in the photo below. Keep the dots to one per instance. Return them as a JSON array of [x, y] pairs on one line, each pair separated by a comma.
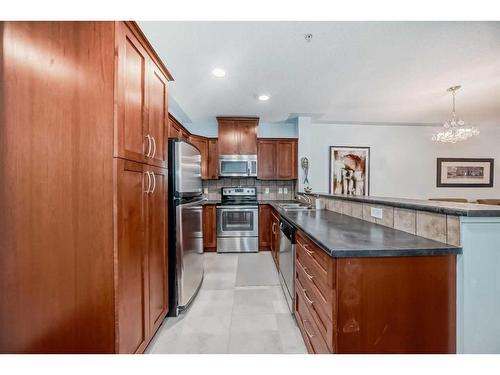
[[213, 159], [374, 305], [209, 227], [275, 236], [140, 100], [83, 244], [277, 158], [238, 135], [264, 227], [201, 143]]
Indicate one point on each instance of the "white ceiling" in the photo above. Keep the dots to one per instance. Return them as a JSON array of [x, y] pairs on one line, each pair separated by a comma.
[[360, 72]]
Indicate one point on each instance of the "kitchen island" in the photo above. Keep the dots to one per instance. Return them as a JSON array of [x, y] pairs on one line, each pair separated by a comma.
[[361, 287]]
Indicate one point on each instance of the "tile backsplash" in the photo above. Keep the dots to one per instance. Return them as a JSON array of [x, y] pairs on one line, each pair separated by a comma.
[[266, 190]]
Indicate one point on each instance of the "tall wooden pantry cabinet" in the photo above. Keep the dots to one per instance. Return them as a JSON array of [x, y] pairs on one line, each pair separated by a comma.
[[83, 193]]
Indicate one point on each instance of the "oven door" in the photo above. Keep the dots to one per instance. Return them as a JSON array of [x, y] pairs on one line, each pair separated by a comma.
[[237, 221]]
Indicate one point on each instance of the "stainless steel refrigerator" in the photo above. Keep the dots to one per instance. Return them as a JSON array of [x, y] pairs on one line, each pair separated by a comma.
[[185, 225]]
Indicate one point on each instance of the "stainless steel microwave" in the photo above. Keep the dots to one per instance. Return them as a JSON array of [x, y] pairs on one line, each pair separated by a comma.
[[238, 165]]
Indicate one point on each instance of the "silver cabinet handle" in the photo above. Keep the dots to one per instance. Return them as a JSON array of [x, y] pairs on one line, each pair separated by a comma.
[[154, 182], [149, 145], [307, 274], [307, 297], [154, 147], [272, 228], [305, 329], [149, 182]]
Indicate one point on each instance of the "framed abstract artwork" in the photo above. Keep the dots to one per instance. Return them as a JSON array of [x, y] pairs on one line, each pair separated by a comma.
[[349, 170], [464, 172]]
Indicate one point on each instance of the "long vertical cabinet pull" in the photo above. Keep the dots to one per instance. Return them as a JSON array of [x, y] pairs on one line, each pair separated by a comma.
[[149, 182], [154, 182], [148, 154], [154, 147]]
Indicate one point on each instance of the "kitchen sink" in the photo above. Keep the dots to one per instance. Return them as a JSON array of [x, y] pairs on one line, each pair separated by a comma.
[[293, 206]]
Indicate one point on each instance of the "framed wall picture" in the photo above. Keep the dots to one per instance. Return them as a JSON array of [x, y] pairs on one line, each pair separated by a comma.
[[464, 172], [350, 170]]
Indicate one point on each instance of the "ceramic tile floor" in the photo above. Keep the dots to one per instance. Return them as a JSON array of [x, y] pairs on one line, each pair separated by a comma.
[[240, 309]]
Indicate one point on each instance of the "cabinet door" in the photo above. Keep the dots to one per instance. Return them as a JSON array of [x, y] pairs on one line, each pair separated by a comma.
[[286, 160], [247, 137], [157, 115], [209, 228], [264, 227], [174, 128], [131, 256], [130, 106], [213, 159], [275, 236], [228, 138], [201, 144], [157, 245], [266, 160]]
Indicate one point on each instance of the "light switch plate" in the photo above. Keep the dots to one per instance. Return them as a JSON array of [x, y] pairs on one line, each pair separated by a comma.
[[205, 190], [266, 190], [280, 190], [376, 212], [285, 190]]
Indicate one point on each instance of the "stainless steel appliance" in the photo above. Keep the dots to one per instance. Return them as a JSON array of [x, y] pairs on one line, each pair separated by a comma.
[[238, 220], [238, 165], [185, 225], [287, 262]]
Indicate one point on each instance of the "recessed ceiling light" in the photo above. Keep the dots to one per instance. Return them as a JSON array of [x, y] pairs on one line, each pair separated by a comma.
[[219, 73], [263, 97]]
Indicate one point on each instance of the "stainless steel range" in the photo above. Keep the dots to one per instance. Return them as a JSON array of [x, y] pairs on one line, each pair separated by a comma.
[[238, 220]]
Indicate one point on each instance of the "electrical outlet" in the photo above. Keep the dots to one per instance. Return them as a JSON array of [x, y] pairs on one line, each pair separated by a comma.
[[376, 212], [266, 191], [205, 190], [280, 190], [285, 190]]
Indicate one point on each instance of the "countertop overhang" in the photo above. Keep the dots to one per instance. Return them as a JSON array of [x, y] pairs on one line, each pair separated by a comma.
[[346, 237], [449, 208]]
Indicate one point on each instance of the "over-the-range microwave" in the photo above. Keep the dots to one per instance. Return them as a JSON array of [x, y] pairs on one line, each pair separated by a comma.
[[238, 165]]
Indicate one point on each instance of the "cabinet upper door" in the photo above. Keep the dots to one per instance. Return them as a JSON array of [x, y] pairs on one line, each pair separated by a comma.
[[131, 256], [286, 159], [157, 115], [247, 137], [157, 245], [201, 144], [266, 160], [228, 138], [213, 159], [130, 97]]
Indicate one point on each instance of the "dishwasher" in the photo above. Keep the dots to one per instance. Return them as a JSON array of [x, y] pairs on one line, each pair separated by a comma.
[[287, 262]]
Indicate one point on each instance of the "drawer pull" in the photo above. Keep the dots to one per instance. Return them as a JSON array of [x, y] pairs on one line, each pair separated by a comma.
[[307, 297], [305, 329], [310, 277]]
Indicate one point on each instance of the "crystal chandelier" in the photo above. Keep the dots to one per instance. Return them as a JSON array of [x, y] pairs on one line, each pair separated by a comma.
[[455, 130]]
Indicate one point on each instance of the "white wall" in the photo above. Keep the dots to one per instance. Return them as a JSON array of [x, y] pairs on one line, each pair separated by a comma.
[[403, 158]]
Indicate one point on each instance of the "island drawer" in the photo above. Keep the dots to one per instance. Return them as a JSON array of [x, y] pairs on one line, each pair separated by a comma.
[[320, 309], [308, 326], [320, 270]]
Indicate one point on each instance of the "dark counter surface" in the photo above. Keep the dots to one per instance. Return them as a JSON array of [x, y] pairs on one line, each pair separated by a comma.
[[345, 236], [449, 208]]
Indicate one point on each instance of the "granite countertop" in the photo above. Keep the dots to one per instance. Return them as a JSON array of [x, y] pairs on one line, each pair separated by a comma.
[[450, 208], [345, 236]]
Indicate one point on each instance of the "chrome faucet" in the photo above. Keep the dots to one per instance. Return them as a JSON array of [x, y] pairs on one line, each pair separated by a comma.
[[305, 198]]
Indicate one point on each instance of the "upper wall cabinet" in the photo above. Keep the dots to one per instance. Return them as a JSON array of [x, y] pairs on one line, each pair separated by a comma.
[[140, 101], [238, 135], [277, 159]]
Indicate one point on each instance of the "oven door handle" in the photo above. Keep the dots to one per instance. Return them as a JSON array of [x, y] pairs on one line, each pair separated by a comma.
[[238, 208]]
